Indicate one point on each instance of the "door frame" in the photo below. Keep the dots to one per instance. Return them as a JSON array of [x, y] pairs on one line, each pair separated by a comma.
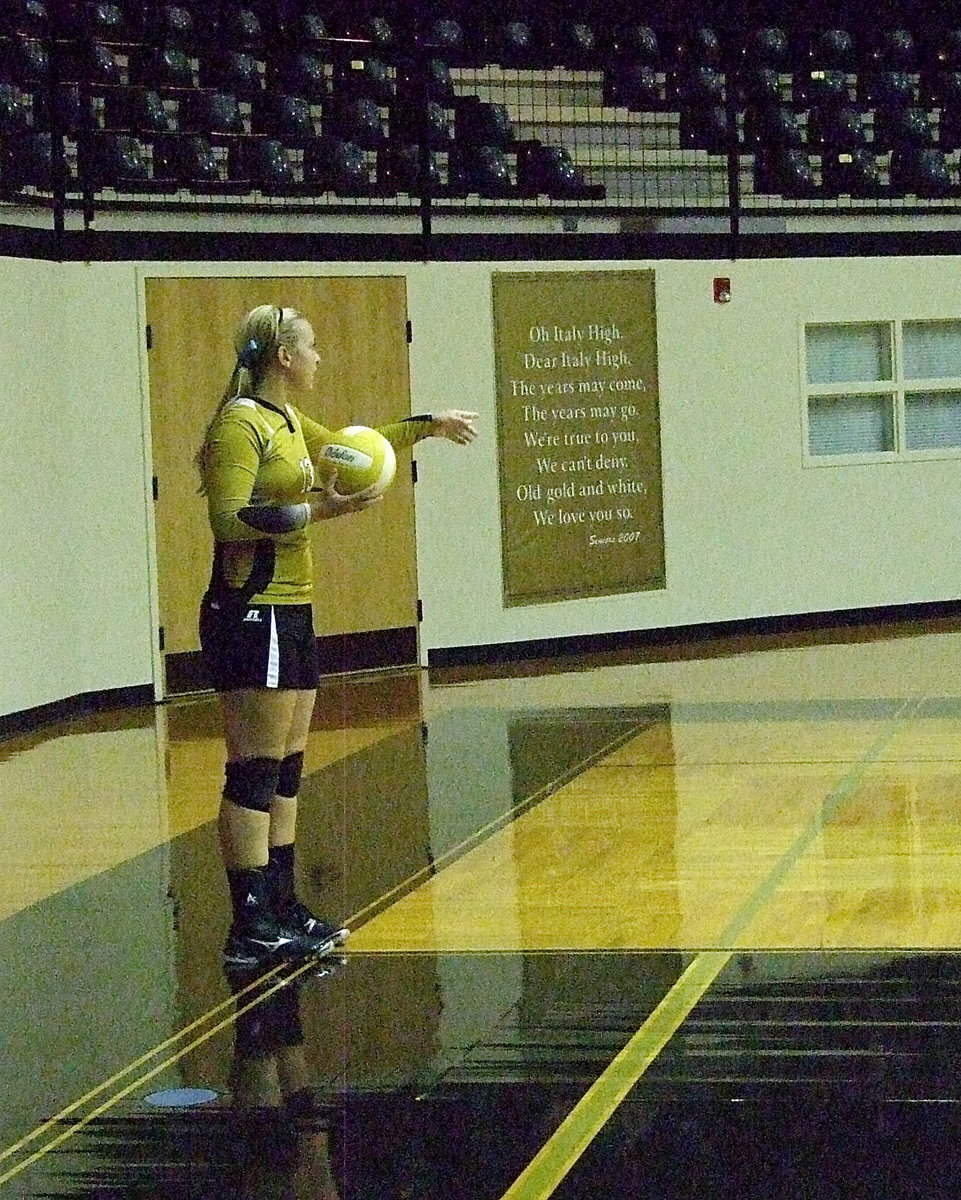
[[177, 269]]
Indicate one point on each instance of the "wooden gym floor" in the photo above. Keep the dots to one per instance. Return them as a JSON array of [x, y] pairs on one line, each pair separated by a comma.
[[675, 923]]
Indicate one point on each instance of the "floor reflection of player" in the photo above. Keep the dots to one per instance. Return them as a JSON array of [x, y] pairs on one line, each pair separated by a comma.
[[280, 1121]]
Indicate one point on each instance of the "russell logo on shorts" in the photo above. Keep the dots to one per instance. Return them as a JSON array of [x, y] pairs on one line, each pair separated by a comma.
[[253, 614]]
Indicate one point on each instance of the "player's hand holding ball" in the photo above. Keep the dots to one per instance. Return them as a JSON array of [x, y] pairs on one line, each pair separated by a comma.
[[326, 502]]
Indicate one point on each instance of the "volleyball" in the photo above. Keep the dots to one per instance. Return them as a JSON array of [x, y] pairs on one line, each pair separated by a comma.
[[364, 460]]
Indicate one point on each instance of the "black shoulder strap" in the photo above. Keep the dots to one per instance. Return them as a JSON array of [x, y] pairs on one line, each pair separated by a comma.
[[279, 411]]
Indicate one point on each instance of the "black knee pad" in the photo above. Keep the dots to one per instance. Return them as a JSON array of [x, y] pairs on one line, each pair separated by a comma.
[[291, 769], [252, 782]]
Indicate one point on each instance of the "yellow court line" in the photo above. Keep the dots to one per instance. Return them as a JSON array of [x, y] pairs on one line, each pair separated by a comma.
[[547, 1169], [115, 1099], [582, 1122], [352, 921], [498, 822], [579, 1128], [139, 1062]]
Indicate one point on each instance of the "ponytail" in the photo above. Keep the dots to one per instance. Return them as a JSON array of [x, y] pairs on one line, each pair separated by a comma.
[[258, 337]]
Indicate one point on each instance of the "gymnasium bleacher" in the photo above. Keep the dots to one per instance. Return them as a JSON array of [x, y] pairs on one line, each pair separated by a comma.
[[309, 107]]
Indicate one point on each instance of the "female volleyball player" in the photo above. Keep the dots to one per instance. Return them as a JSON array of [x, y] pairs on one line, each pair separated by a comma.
[[258, 471]]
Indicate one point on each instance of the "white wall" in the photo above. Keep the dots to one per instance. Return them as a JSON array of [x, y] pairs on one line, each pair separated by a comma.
[[74, 595], [749, 530]]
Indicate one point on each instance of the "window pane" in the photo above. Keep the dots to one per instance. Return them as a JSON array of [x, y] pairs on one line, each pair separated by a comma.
[[850, 424], [932, 420], [932, 349], [848, 353]]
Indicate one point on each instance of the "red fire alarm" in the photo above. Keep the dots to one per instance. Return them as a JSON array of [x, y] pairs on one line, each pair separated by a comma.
[[722, 291]]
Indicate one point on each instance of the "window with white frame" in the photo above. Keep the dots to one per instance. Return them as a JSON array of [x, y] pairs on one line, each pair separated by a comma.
[[882, 390]]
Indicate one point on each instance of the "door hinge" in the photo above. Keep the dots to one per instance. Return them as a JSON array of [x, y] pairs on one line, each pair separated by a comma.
[[162, 636], [410, 333], [149, 335], [155, 483], [420, 610], [413, 470]]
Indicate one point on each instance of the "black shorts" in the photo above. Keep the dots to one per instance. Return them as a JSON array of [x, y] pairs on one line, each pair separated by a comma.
[[258, 645]]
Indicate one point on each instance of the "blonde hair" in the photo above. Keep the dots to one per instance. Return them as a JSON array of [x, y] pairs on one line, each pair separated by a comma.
[[258, 337]]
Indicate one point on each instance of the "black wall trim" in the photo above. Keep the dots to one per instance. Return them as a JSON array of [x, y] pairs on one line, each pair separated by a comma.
[[853, 618], [22, 241], [106, 246], [368, 651], [184, 673], [338, 655], [398, 647], [73, 707]]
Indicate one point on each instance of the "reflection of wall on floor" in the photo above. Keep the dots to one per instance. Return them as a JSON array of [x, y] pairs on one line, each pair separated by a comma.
[[87, 986]]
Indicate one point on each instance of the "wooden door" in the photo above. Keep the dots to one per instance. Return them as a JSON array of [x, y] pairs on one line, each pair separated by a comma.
[[366, 571]]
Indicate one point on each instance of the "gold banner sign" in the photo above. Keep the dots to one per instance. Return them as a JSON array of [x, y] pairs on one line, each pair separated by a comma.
[[578, 434]]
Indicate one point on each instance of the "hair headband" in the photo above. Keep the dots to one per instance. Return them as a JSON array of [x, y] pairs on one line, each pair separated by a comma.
[[248, 354]]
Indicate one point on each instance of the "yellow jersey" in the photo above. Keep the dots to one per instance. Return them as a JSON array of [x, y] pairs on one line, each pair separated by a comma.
[[257, 453]]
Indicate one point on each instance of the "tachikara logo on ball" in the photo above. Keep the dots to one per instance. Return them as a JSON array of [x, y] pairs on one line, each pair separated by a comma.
[[364, 460]]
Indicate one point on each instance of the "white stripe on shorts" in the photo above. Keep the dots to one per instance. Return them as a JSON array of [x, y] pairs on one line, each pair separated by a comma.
[[273, 655]]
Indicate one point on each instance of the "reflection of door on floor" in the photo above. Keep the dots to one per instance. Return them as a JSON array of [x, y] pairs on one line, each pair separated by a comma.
[[366, 594]]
